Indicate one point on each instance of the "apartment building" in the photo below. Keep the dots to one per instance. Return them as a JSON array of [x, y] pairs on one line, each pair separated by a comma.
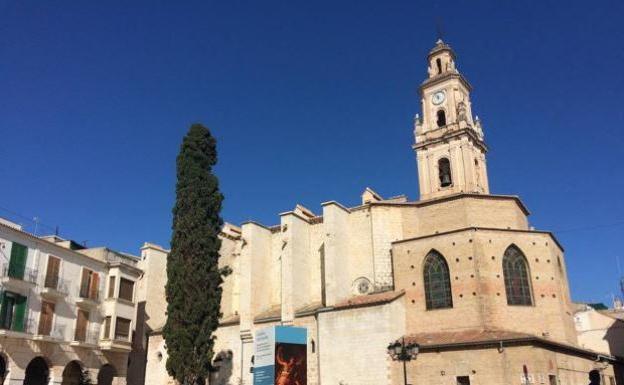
[[65, 310]]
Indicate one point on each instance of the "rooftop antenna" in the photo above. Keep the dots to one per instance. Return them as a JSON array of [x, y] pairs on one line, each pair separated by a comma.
[[619, 268], [36, 220]]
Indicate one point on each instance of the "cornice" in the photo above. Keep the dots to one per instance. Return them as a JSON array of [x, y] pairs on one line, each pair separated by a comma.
[[437, 79], [478, 228], [477, 196], [229, 236], [523, 341], [334, 203], [250, 222], [452, 135]]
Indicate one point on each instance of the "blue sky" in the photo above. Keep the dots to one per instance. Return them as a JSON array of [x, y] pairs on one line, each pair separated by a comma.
[[310, 101]]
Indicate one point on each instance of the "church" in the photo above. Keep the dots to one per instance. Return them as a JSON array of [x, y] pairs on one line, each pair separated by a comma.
[[459, 272]]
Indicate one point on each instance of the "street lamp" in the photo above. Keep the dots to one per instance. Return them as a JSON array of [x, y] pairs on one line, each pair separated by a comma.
[[399, 351]]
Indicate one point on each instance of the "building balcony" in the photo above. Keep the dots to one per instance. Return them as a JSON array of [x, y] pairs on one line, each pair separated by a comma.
[[17, 330], [116, 344], [17, 278], [88, 301], [87, 340], [55, 288], [57, 334]]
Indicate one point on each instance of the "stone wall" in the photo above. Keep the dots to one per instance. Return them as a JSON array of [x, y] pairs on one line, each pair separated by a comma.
[[490, 366], [352, 343], [155, 369], [474, 258]]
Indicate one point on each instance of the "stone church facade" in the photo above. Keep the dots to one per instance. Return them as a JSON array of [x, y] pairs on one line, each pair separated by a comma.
[[460, 272]]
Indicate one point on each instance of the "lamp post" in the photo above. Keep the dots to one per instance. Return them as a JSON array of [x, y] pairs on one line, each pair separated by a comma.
[[399, 351]]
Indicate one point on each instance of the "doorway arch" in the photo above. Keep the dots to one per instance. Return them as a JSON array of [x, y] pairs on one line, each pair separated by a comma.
[[106, 375], [72, 373], [3, 368], [37, 372]]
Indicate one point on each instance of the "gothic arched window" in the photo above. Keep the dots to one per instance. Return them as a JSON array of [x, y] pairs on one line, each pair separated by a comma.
[[437, 282], [516, 272], [439, 64], [444, 172], [441, 118]]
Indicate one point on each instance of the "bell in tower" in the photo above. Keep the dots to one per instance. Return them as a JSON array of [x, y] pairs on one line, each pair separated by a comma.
[[444, 170], [449, 143]]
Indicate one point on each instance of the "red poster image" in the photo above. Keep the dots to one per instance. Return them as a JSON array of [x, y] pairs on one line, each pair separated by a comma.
[[290, 364]]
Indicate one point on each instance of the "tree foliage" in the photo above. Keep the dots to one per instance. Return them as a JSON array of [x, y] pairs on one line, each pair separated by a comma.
[[85, 377], [193, 276]]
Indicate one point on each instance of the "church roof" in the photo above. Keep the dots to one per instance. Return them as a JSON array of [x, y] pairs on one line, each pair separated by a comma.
[[464, 337], [369, 299], [496, 337]]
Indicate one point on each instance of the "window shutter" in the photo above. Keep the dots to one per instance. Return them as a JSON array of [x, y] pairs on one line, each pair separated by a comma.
[[17, 265], [45, 320], [95, 285], [4, 322], [19, 321], [107, 327], [126, 289], [122, 329], [111, 287], [81, 325], [84, 283], [52, 273]]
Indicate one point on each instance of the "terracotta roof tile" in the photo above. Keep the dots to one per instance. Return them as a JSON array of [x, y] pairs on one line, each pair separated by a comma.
[[308, 308], [465, 337], [369, 299], [274, 312]]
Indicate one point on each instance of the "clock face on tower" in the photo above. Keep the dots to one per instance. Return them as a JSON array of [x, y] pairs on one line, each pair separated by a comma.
[[438, 97]]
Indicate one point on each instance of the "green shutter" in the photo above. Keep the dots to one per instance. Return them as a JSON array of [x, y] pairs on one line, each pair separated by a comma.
[[19, 314], [18, 261], [3, 311]]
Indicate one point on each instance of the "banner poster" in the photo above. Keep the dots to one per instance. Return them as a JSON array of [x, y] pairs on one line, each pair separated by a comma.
[[280, 356]]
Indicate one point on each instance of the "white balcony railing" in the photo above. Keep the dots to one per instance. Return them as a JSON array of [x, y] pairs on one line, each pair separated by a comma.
[[25, 274], [58, 332], [57, 284]]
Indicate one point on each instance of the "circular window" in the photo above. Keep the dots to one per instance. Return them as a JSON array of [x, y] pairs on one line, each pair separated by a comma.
[[362, 286]]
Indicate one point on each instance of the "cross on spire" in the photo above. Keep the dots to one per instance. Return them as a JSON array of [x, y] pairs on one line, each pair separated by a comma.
[[439, 29]]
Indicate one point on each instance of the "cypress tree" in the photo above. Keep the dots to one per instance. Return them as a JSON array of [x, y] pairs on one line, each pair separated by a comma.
[[193, 276]]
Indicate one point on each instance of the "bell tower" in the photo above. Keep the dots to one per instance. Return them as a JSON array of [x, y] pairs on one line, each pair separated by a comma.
[[449, 144]]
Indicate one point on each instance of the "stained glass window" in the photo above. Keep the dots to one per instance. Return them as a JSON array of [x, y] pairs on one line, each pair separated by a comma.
[[437, 282], [516, 272]]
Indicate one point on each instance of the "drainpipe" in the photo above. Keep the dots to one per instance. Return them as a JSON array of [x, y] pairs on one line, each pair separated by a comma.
[[318, 349], [242, 361]]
